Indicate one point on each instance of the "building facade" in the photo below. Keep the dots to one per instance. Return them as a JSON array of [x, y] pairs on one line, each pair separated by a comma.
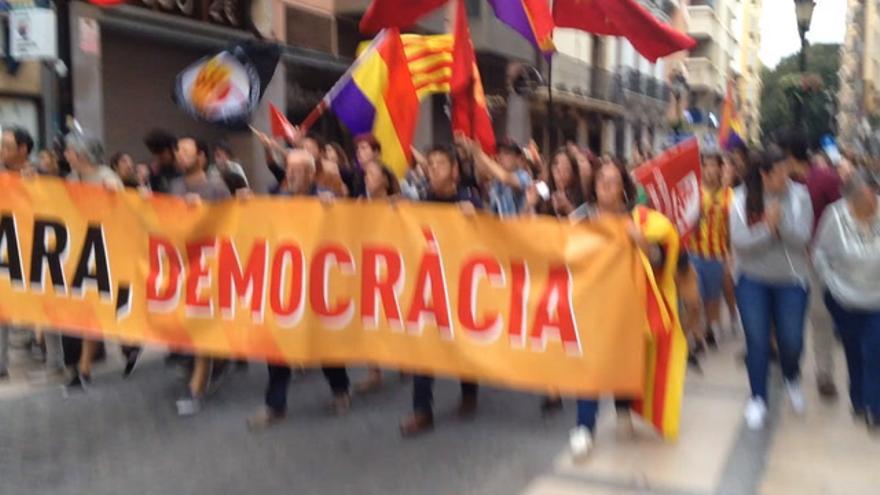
[[709, 64], [858, 96], [750, 67]]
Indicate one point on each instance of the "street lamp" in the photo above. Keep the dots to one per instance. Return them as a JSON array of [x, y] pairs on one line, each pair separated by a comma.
[[804, 12]]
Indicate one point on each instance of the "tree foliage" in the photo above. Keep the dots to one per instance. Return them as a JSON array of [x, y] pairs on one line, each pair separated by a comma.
[[783, 85]]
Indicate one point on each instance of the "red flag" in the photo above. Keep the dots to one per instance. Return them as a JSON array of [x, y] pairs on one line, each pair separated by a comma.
[[107, 3], [281, 127], [396, 13], [650, 37], [470, 115]]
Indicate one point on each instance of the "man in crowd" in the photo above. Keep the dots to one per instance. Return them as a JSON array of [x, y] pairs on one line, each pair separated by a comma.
[[225, 164], [195, 186], [15, 151], [824, 185], [84, 156], [709, 245], [443, 187], [510, 179], [299, 181], [162, 144]]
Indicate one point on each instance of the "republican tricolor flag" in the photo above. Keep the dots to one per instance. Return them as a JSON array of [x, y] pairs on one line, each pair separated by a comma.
[[730, 132], [377, 96]]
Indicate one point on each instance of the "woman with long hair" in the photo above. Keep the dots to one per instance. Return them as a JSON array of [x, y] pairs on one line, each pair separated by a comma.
[[770, 227], [351, 176], [612, 193], [565, 190]]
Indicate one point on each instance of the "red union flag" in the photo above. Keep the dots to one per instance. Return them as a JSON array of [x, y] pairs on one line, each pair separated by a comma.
[[672, 183]]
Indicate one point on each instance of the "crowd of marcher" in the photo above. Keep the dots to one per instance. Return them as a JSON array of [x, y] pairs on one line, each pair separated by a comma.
[[785, 236]]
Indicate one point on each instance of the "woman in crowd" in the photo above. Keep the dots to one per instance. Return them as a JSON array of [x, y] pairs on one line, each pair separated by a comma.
[[846, 257], [770, 226], [381, 185], [565, 191], [612, 193], [352, 177]]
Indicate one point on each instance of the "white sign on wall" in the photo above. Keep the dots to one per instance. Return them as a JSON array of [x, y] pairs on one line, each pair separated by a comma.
[[33, 34]]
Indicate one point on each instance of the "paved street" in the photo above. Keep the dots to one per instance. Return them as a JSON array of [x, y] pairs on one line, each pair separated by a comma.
[[124, 438]]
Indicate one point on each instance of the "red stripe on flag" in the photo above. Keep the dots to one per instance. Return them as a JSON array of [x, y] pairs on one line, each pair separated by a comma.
[[400, 97]]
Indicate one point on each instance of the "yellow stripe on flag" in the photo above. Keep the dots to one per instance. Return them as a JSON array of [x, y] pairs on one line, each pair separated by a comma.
[[371, 78]]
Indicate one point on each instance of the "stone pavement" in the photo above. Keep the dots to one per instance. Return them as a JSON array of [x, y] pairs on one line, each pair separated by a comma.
[[124, 438], [823, 453]]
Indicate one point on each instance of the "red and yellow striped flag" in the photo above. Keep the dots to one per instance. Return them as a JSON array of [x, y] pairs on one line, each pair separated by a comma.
[[429, 58], [667, 345]]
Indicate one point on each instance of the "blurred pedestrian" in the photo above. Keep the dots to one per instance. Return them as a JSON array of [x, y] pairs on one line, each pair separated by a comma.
[[709, 246], [846, 256], [195, 186], [612, 194], [771, 222], [299, 182], [163, 169], [84, 155], [443, 176]]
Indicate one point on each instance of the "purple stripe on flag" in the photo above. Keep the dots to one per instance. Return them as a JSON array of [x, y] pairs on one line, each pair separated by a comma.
[[353, 109], [513, 13]]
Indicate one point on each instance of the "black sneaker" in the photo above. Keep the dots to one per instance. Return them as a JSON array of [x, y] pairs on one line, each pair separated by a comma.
[[77, 384], [711, 341], [131, 362], [693, 363], [220, 369], [551, 406], [4, 375]]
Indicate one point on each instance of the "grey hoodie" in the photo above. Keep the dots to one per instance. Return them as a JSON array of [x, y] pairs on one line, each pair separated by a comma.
[[765, 256], [846, 256]]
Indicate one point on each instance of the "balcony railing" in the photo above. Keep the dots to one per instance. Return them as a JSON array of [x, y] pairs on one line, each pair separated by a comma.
[[574, 76], [645, 85]]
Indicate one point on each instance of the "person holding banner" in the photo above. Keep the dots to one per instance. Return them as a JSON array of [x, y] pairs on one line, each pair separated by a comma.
[[771, 222], [15, 149], [381, 185], [84, 155], [443, 187], [612, 193], [299, 181], [195, 186]]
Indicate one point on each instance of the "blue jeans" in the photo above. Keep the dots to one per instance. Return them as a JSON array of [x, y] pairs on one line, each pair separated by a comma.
[[588, 410], [279, 380], [860, 333], [710, 276], [762, 307]]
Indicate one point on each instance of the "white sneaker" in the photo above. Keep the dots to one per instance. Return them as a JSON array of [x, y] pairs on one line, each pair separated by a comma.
[[796, 397], [756, 413], [580, 441], [625, 428]]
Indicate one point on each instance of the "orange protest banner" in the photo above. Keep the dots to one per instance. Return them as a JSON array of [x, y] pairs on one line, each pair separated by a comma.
[[534, 303]]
